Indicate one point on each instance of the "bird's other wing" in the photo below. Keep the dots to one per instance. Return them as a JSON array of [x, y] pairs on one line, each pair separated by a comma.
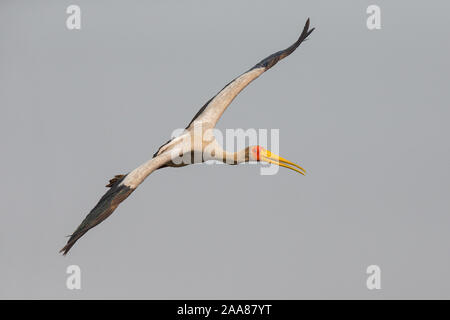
[[214, 108], [121, 186]]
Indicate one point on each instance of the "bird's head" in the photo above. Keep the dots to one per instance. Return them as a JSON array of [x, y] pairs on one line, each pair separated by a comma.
[[258, 153]]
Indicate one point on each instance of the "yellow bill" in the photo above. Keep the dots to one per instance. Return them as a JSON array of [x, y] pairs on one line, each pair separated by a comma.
[[266, 155]]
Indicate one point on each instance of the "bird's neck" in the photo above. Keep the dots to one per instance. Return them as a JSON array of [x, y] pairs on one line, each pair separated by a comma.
[[234, 158]]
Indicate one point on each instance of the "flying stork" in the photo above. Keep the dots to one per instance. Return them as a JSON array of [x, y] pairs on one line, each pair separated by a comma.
[[121, 186]]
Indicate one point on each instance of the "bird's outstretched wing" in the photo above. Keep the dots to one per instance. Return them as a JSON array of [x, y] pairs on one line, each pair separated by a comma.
[[120, 187], [214, 108]]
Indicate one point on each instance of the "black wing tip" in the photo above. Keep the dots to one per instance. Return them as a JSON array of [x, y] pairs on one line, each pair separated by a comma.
[[72, 240], [271, 60], [65, 249], [306, 28], [305, 33], [69, 245], [104, 208]]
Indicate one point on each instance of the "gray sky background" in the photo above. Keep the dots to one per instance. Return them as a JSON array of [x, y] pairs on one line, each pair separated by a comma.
[[365, 112]]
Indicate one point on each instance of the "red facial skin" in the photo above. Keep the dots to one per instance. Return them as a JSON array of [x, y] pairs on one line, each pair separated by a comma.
[[256, 150]]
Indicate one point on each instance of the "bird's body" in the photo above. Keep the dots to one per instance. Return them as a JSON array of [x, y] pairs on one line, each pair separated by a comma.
[[195, 145]]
